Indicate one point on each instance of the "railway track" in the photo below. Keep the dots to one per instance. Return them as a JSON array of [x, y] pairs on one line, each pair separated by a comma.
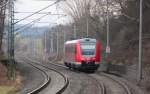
[[61, 90], [42, 86], [114, 84], [103, 88], [122, 84], [102, 84]]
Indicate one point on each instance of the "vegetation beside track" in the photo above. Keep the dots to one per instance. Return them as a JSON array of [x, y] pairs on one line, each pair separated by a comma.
[[8, 86], [7, 90]]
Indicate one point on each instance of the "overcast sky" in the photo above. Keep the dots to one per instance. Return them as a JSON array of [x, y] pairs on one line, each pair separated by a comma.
[[35, 5]]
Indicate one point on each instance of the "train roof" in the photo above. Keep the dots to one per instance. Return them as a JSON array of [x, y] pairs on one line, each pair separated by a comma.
[[87, 39], [81, 40]]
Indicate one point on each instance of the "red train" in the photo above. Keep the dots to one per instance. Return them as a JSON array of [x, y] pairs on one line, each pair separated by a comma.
[[82, 54]]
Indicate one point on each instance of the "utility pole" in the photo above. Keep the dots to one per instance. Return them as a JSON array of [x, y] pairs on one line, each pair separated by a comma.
[[64, 36], [30, 42], [57, 41], [57, 31], [107, 59], [52, 42], [107, 45], [28, 38], [33, 43], [45, 46], [45, 37], [75, 32], [87, 22], [36, 45], [140, 42], [11, 62]]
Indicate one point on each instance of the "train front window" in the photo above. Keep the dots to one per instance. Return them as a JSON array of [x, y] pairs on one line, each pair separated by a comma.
[[88, 49]]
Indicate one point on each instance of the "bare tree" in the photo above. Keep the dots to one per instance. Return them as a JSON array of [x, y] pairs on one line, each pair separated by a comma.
[[2, 17]]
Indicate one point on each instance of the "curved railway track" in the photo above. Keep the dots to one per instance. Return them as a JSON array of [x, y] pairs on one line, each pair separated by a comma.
[[42, 86], [122, 84], [34, 63], [114, 85], [102, 84], [126, 89]]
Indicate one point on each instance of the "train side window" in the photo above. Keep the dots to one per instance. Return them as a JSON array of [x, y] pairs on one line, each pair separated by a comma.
[[70, 49]]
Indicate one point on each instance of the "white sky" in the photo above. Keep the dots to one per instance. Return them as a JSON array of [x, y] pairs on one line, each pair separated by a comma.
[[35, 5]]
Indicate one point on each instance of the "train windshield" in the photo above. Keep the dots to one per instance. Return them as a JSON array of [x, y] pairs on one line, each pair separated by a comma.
[[88, 48]]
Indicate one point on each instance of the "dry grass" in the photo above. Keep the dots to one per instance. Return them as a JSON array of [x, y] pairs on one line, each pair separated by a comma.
[[8, 86], [7, 90]]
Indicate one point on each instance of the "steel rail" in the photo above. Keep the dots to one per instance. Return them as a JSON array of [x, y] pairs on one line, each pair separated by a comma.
[[44, 85], [128, 91], [65, 78], [54, 60], [121, 83], [126, 88], [101, 85], [103, 88]]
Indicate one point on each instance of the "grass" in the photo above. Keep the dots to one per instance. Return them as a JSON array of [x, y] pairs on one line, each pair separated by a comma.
[[9, 86], [12, 88], [7, 90]]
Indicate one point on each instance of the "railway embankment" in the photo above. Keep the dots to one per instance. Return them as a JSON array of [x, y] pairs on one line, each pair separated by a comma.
[[126, 64], [31, 77], [8, 86]]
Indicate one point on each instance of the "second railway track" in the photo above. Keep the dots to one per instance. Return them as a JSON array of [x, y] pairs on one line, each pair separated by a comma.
[[42, 87], [112, 85]]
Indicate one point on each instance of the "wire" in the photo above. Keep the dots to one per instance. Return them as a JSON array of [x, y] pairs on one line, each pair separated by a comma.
[[31, 12], [31, 22], [24, 29], [37, 11]]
